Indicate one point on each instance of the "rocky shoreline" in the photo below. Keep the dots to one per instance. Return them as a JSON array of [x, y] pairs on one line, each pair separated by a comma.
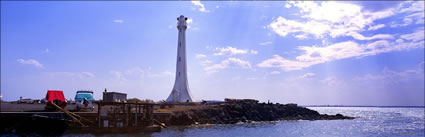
[[247, 111]]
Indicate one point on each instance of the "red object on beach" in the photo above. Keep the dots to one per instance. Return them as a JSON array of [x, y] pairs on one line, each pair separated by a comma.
[[57, 97]]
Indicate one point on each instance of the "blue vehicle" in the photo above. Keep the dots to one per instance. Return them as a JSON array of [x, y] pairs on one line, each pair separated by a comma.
[[84, 100]]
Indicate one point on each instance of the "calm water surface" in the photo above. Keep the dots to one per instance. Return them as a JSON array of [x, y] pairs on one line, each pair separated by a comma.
[[370, 121]]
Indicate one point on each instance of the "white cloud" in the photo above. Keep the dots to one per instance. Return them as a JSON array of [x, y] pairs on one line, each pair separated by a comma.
[[86, 74], [416, 36], [189, 21], [331, 81], [283, 26], [230, 51], [406, 21], [266, 43], [324, 42], [376, 27], [118, 21], [288, 6], [215, 68], [415, 6], [416, 13], [315, 55], [230, 62], [275, 72], [199, 56], [358, 36], [46, 50], [348, 49], [301, 36], [200, 5], [72, 75], [31, 62], [327, 18], [336, 19], [388, 76], [417, 18], [399, 41], [284, 64], [308, 75], [205, 62], [328, 11]]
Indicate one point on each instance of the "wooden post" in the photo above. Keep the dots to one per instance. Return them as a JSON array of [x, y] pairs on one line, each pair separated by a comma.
[[144, 112], [150, 114], [99, 106], [135, 119], [128, 106], [139, 111]]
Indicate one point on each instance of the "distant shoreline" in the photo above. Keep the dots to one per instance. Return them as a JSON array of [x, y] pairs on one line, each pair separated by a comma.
[[363, 106]]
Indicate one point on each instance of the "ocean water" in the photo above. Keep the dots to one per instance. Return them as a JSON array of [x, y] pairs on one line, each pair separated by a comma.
[[369, 122]]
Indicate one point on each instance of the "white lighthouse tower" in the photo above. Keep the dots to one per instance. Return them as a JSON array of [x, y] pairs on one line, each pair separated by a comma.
[[181, 91]]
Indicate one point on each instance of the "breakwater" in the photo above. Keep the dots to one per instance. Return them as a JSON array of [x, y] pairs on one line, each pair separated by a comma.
[[246, 111]]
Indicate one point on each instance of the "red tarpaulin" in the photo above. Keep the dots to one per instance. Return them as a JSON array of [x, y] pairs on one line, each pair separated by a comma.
[[57, 97]]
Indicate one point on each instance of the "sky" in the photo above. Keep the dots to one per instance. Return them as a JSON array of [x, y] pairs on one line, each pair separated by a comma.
[[309, 53]]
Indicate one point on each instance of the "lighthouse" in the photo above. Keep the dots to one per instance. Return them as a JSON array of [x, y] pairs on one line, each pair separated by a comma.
[[181, 90]]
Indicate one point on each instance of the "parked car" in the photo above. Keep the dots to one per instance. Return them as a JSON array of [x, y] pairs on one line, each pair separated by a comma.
[[26, 101], [43, 101], [57, 97], [84, 100]]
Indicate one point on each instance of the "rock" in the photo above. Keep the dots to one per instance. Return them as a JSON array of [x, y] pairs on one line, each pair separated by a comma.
[[247, 112]]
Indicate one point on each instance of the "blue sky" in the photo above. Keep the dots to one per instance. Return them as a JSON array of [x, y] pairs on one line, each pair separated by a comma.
[[348, 53]]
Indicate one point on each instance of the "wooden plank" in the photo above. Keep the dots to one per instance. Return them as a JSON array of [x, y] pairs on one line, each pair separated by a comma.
[[67, 113]]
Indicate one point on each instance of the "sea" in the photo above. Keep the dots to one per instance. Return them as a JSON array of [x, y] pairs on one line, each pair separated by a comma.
[[369, 122]]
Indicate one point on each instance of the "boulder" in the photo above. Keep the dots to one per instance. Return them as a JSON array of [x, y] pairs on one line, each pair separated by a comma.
[[246, 111]]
